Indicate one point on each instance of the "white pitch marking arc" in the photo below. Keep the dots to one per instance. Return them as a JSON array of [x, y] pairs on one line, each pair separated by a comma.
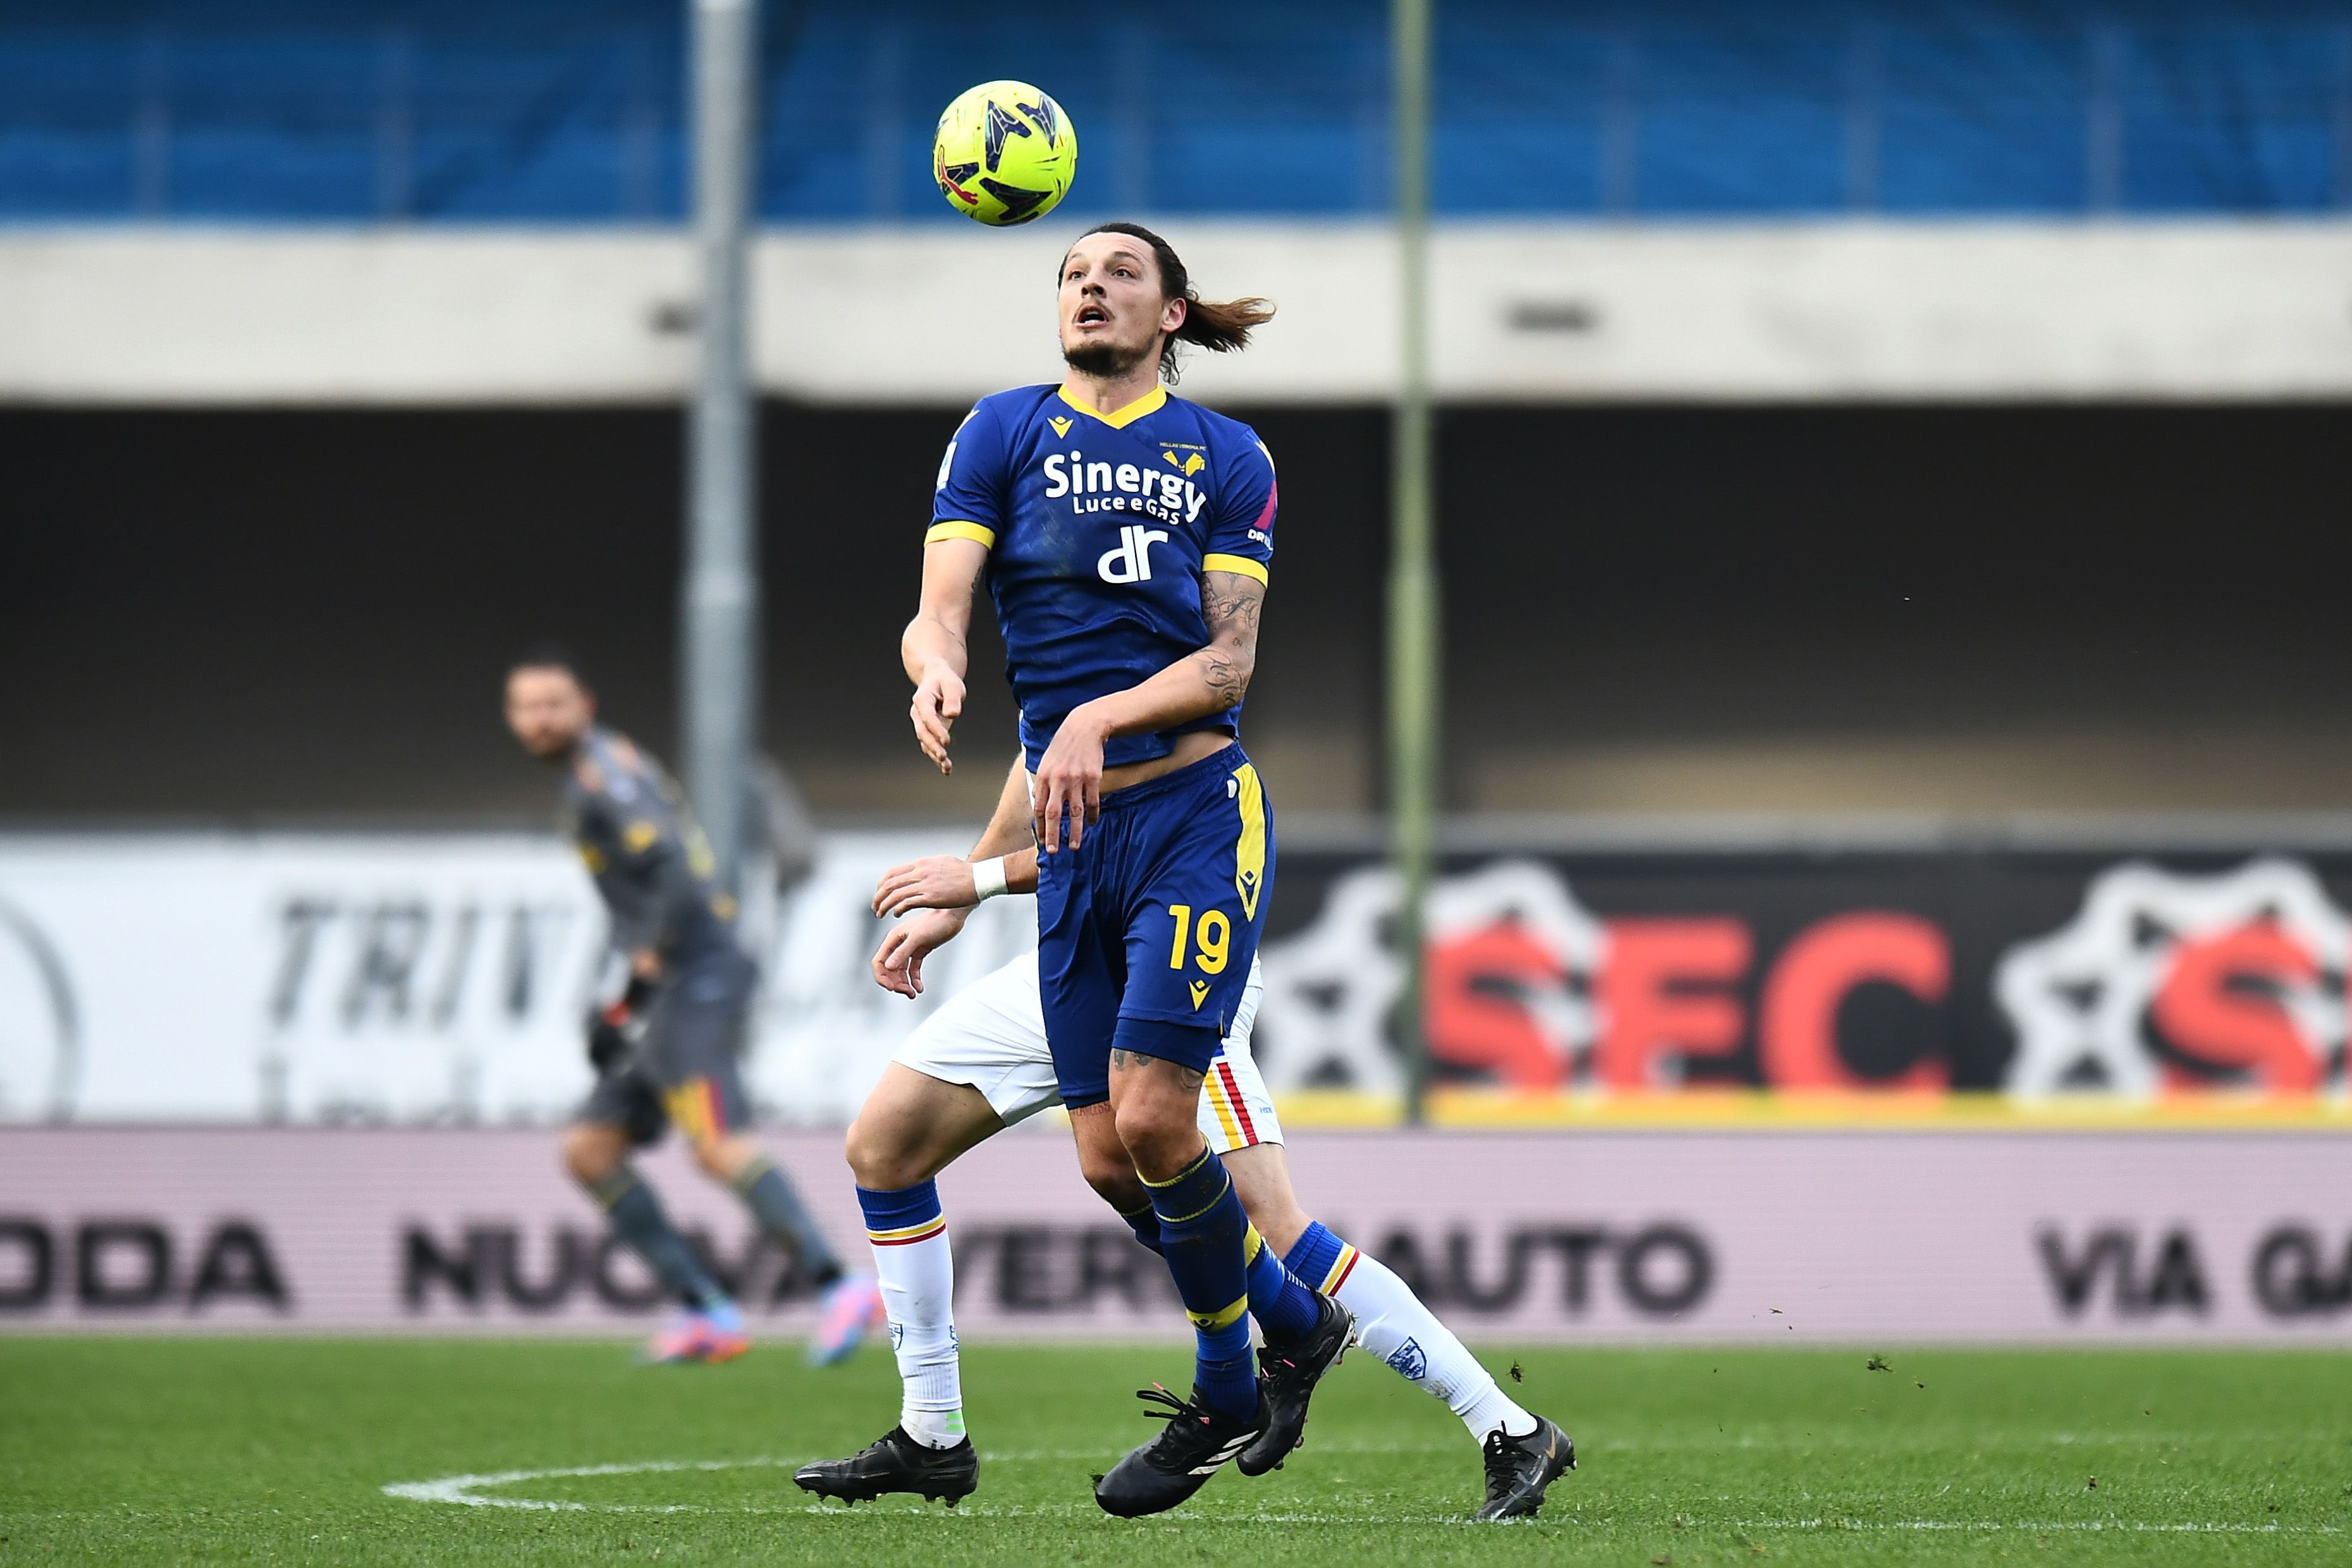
[[465, 1490]]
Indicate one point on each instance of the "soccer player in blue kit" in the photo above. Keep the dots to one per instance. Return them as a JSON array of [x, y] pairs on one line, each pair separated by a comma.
[[981, 1064], [1126, 536]]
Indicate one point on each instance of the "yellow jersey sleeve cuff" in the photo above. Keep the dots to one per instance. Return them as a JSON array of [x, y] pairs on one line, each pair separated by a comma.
[[1242, 564], [938, 530]]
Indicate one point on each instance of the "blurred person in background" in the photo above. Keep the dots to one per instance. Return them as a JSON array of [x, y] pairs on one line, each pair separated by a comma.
[[667, 1050]]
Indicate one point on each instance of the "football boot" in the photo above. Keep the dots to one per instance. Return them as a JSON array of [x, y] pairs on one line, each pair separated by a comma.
[[896, 1463], [712, 1333], [1519, 1469], [1288, 1373], [1191, 1448]]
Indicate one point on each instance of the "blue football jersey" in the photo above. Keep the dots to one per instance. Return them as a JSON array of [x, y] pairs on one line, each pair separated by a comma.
[[1099, 529]]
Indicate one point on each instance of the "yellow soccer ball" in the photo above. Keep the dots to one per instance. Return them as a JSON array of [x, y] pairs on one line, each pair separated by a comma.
[[1004, 153]]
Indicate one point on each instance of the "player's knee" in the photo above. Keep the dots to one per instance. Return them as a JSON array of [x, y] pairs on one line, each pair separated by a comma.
[[1120, 1187], [589, 1155], [720, 1158], [1156, 1136], [1111, 1174], [1103, 1161], [881, 1160]]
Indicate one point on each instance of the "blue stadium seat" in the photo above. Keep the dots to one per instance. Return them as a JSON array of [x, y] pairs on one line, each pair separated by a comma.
[[570, 111]]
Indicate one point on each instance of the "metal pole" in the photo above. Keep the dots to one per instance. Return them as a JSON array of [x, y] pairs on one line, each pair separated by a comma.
[[1412, 568], [718, 620]]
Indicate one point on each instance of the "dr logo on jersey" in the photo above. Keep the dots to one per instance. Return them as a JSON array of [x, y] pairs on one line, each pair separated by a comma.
[[1131, 561]]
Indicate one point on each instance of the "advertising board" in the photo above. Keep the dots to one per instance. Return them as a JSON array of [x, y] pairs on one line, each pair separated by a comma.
[[1790, 1237], [442, 979]]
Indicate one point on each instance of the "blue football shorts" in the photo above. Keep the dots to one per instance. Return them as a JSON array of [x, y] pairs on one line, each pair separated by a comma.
[[1146, 932]]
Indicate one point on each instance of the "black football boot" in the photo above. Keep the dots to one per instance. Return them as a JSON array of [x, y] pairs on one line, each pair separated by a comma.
[[1288, 1374], [1519, 1469], [1179, 1462], [896, 1463]]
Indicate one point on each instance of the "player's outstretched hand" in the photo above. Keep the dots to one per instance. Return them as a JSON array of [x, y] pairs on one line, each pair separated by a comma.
[[939, 704], [934, 882], [1069, 781], [899, 962]]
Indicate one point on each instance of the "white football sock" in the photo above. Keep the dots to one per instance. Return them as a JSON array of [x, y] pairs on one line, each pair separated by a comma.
[[1392, 1324], [918, 1279]]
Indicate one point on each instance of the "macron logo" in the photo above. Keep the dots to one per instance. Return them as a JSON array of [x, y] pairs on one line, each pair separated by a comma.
[[1131, 561]]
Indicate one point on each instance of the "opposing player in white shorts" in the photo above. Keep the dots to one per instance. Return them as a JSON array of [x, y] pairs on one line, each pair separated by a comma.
[[992, 1036], [979, 1064]]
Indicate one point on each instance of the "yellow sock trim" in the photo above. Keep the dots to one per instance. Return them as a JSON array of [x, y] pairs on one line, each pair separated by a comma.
[[1206, 1153], [1224, 1318], [1204, 1208]]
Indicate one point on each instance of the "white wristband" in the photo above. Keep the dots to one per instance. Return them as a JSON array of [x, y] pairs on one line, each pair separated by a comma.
[[988, 877]]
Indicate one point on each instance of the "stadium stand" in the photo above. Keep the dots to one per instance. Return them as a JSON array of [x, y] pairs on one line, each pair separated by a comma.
[[570, 112]]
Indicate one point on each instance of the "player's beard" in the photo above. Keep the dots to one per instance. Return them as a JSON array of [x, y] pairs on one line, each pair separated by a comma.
[[1107, 361]]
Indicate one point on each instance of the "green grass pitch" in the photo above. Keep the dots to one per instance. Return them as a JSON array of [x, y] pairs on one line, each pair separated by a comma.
[[138, 1450]]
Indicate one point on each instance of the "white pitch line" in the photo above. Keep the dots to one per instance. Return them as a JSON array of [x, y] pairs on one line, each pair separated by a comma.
[[466, 1491]]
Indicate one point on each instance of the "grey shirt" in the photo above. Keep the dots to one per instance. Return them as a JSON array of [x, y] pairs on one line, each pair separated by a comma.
[[637, 834]]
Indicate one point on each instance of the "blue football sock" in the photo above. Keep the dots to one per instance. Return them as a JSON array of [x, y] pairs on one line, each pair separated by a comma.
[[1201, 1229], [1146, 1225], [1283, 1305], [639, 1219], [892, 1215], [1310, 1258]]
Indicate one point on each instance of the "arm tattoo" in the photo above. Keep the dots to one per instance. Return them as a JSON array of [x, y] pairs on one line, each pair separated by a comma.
[[1228, 683], [1230, 603]]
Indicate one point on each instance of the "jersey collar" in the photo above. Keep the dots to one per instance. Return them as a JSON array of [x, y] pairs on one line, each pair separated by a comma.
[[1149, 403]]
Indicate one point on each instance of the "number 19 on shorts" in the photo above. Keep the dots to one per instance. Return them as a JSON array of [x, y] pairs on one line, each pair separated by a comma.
[[1209, 943]]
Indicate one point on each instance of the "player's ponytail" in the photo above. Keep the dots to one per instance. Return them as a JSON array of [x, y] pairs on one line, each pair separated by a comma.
[[1221, 327]]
